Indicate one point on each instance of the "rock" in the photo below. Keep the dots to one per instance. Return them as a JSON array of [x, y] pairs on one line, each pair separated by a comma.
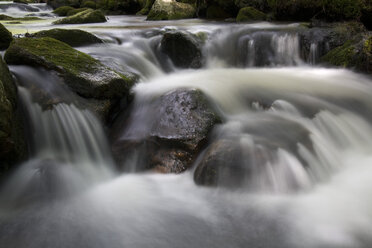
[[12, 144], [175, 135], [341, 10], [170, 10], [5, 37], [82, 73], [87, 16], [296, 10], [62, 11], [353, 54], [248, 14], [20, 1], [221, 165], [217, 12], [76, 11], [72, 37], [261, 5], [217, 9], [89, 4], [183, 49], [26, 18], [146, 8]]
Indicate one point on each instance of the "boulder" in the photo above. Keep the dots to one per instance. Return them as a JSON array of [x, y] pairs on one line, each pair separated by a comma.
[[87, 16], [182, 48], [82, 73], [249, 14], [62, 11], [72, 37], [76, 11], [173, 138], [261, 5], [171, 10], [352, 54], [5, 37], [146, 8], [12, 145], [89, 4]]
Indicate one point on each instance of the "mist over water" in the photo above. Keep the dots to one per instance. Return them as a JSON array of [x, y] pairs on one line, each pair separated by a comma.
[[305, 132]]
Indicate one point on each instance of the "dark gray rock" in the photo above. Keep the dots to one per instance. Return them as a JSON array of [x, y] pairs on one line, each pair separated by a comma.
[[183, 49]]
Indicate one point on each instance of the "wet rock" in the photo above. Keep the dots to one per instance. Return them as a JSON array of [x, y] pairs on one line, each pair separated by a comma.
[[72, 37], [82, 73], [171, 10], [221, 165], [146, 8], [87, 16], [12, 146], [248, 14], [353, 54], [62, 11], [183, 49], [76, 11], [5, 37], [175, 135]]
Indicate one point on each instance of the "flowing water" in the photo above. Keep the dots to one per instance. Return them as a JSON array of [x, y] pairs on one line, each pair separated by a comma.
[[305, 132]]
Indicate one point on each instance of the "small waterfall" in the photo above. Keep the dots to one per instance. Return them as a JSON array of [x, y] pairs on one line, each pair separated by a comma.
[[20, 10], [68, 135], [313, 54]]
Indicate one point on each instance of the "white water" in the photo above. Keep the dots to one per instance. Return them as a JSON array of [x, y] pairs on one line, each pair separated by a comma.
[[300, 195]]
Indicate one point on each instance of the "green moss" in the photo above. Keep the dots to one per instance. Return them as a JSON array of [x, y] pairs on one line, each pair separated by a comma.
[[89, 4], [162, 10], [76, 11], [340, 56], [72, 37], [62, 11], [5, 37], [368, 45], [250, 14], [27, 18], [82, 73], [147, 7], [87, 16]]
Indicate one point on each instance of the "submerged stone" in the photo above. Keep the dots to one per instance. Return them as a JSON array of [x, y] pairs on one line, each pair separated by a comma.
[[82, 73]]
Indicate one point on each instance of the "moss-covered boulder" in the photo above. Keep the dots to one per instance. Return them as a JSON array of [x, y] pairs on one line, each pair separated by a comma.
[[261, 5], [171, 10], [82, 73], [87, 16], [12, 146], [249, 14], [76, 11], [73, 37], [62, 11], [336, 10], [183, 49], [146, 8], [89, 4], [353, 54], [5, 37]]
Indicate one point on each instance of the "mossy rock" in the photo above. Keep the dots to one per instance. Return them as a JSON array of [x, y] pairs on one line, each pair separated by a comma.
[[26, 18], [163, 10], [62, 11], [12, 144], [89, 4], [82, 73], [87, 16], [295, 10], [261, 5], [353, 54], [120, 6], [72, 37], [336, 10], [248, 14], [76, 11], [146, 8], [5, 37], [60, 3]]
